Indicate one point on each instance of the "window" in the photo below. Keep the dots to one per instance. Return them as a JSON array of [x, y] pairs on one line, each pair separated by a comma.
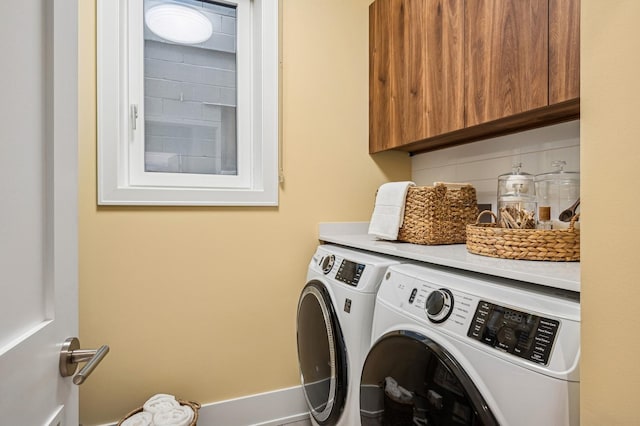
[[188, 102]]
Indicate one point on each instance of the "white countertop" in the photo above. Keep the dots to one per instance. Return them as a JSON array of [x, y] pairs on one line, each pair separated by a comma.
[[563, 275]]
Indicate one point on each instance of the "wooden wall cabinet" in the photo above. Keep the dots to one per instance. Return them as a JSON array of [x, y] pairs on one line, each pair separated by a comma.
[[506, 60], [445, 72], [416, 70]]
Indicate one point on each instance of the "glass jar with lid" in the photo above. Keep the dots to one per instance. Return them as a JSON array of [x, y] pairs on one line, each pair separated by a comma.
[[517, 199], [560, 191]]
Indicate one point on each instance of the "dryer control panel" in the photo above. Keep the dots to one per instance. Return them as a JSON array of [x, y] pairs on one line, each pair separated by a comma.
[[350, 272], [525, 335]]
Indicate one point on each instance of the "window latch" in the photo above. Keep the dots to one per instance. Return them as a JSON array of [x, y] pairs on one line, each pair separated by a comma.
[[134, 116]]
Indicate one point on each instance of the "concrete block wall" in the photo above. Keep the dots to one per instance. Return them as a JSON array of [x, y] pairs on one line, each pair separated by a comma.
[[188, 91]]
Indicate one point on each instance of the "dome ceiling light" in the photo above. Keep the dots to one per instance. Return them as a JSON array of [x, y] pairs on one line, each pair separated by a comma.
[[178, 24]]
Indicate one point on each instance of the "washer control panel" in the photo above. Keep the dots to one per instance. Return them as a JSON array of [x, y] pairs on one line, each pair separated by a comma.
[[519, 333]]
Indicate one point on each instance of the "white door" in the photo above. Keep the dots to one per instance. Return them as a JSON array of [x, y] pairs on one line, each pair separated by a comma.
[[38, 209]]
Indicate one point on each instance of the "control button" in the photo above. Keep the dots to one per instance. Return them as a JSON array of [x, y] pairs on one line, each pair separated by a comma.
[[412, 297], [537, 357], [489, 336], [542, 340], [439, 305], [435, 303], [506, 337], [548, 323], [327, 263]]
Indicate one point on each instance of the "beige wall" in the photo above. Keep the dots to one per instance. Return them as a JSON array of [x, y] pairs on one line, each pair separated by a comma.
[[177, 292], [200, 302], [610, 155]]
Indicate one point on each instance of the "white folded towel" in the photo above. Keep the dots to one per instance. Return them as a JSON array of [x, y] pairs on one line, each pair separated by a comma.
[[180, 416], [139, 419], [388, 212], [160, 402]]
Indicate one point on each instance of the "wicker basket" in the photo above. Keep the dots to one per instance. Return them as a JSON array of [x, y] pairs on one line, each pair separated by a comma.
[[487, 239], [438, 214], [194, 406]]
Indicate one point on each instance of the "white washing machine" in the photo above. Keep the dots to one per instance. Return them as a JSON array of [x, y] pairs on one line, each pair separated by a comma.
[[456, 348], [334, 318]]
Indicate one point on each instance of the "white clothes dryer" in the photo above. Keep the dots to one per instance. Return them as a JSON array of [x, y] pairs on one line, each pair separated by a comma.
[[457, 348], [335, 311]]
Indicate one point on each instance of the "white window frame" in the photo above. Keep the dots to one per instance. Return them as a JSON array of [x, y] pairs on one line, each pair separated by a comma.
[[121, 176]]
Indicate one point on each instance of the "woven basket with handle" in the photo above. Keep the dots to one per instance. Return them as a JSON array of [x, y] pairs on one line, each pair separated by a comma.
[[438, 214], [194, 406], [488, 239]]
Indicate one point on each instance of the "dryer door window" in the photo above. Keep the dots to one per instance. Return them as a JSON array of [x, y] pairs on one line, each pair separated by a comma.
[[408, 379], [321, 354]]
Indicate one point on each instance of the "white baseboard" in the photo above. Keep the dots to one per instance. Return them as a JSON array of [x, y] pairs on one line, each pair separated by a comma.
[[274, 408]]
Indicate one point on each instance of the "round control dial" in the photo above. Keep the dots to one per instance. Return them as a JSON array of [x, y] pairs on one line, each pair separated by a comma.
[[327, 263], [439, 305]]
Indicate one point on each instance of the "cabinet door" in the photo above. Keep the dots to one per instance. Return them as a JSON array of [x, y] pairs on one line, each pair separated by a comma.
[[434, 96], [416, 71], [386, 24], [564, 50], [506, 58]]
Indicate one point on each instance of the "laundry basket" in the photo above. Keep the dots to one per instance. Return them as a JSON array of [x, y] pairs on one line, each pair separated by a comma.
[[489, 239], [438, 214], [194, 406]]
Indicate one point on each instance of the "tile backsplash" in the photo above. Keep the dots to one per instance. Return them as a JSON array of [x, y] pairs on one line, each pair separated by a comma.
[[480, 163]]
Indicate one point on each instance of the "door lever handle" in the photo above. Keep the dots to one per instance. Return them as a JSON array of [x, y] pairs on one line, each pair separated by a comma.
[[71, 355]]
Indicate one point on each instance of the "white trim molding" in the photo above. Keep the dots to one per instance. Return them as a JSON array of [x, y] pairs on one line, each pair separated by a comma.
[[275, 408], [122, 179]]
